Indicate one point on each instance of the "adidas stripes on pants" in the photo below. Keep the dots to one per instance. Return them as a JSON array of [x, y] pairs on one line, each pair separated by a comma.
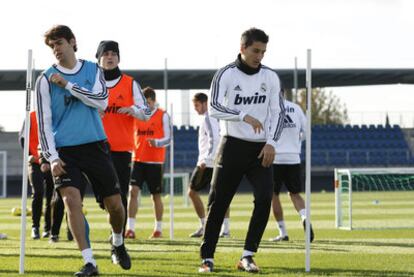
[[237, 158]]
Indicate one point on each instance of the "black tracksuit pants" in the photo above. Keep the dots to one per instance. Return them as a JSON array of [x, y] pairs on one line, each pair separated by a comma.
[[41, 184], [237, 158], [122, 163]]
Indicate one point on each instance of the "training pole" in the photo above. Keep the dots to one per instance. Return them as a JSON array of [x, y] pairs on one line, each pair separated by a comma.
[[29, 75], [166, 83], [171, 174], [308, 158]]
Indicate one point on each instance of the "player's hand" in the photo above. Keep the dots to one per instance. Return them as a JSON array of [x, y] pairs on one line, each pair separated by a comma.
[[257, 126], [57, 79], [31, 159], [126, 110], [152, 142], [202, 165], [101, 113], [57, 167], [267, 155], [45, 167]]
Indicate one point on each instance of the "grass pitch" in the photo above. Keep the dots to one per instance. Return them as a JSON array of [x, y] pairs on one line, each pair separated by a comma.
[[374, 252]]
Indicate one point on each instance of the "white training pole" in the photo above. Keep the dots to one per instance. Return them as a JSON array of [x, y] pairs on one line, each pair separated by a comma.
[[25, 156], [308, 158], [171, 175], [4, 154], [295, 79], [166, 83]]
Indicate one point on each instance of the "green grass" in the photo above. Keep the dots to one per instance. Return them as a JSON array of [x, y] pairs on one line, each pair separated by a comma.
[[374, 252]]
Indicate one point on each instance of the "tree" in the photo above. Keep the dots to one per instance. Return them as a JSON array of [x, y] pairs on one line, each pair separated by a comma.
[[1, 129], [326, 107]]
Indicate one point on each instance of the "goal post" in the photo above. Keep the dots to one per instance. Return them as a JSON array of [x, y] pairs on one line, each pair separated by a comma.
[[370, 198], [181, 181], [3, 174]]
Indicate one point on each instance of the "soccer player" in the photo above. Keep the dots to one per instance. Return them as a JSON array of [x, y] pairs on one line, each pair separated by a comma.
[[69, 95], [287, 169], [245, 96], [151, 139], [125, 103], [208, 139], [40, 182]]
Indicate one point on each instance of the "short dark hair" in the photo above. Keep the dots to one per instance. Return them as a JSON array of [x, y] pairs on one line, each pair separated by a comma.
[[60, 31], [200, 97], [149, 92], [253, 34]]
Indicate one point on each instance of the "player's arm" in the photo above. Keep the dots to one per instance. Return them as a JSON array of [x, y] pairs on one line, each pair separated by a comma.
[[45, 130], [165, 141], [212, 130], [218, 89], [44, 118], [95, 98], [276, 113], [140, 108], [302, 122]]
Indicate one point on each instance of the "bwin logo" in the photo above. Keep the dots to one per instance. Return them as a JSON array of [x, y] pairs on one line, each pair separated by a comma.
[[248, 100]]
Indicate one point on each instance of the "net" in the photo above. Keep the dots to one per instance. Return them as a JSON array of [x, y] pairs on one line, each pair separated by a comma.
[[181, 181], [374, 198]]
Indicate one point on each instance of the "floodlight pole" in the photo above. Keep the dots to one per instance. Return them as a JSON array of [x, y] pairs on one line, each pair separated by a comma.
[[308, 158], [171, 174], [29, 75]]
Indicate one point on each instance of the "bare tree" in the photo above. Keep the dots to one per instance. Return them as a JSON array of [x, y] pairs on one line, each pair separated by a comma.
[[326, 107]]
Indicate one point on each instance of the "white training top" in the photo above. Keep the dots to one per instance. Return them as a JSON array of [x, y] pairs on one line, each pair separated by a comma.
[[234, 94], [288, 147], [208, 139]]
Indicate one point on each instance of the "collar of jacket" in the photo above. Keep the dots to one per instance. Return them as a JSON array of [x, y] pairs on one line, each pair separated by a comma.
[[245, 68], [112, 74]]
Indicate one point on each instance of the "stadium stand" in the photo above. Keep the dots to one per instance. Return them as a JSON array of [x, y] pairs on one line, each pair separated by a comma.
[[353, 146], [332, 145]]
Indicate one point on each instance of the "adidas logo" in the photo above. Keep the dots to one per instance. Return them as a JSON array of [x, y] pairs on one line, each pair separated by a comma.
[[237, 88], [288, 119], [288, 122], [120, 97]]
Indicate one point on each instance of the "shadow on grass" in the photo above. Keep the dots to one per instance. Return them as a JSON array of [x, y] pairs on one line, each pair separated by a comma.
[[333, 272], [53, 272], [367, 243]]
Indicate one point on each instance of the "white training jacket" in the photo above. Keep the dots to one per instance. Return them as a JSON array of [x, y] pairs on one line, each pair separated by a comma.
[[289, 145], [208, 140], [234, 94]]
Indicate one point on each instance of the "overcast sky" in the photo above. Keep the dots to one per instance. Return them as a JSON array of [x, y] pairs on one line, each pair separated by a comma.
[[205, 34]]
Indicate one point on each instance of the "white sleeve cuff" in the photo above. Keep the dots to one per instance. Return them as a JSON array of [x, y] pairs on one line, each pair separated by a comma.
[[53, 157], [69, 86], [272, 143], [242, 115]]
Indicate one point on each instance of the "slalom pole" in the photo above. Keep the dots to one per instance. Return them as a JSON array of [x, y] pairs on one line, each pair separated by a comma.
[[29, 75], [166, 83], [171, 174], [308, 158], [295, 79]]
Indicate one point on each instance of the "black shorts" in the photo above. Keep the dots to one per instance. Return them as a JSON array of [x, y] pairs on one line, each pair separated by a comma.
[[289, 175], [92, 160], [122, 163], [149, 173], [200, 178]]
